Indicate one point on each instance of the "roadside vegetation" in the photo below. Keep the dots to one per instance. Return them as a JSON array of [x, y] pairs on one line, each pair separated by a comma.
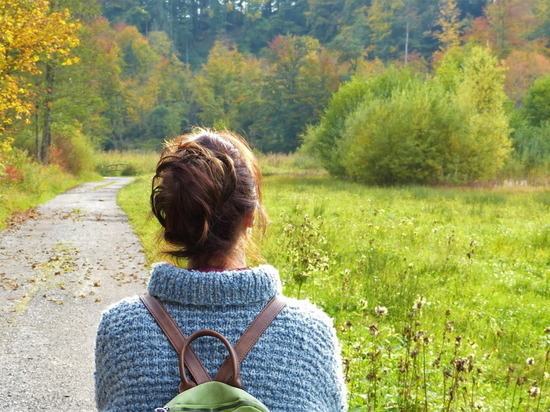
[[440, 295]]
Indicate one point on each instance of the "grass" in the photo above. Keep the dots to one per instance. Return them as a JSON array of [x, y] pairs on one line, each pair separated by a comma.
[[440, 295], [31, 184], [445, 264], [125, 163]]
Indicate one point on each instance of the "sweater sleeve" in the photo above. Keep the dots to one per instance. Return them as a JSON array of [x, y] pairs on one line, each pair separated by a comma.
[[102, 344], [309, 361], [330, 383]]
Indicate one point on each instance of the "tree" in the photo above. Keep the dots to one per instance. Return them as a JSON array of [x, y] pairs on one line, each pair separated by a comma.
[[523, 68], [506, 26], [30, 33], [399, 28], [302, 77], [323, 17], [449, 26], [227, 88], [536, 105]]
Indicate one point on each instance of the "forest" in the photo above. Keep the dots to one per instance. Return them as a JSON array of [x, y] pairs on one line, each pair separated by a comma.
[[469, 80]]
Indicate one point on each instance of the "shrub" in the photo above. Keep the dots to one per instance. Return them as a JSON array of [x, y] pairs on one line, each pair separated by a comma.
[[324, 139], [536, 105], [71, 150], [398, 128]]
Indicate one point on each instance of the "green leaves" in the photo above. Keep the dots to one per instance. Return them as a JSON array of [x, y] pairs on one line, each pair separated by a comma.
[[398, 128]]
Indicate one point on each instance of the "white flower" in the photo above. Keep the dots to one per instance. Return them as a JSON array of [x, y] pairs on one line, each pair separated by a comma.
[[381, 310]]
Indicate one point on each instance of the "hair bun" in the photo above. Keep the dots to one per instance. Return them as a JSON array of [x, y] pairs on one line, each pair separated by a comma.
[[203, 188]]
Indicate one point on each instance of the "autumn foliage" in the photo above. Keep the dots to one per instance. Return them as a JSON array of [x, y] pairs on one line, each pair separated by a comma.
[[30, 33]]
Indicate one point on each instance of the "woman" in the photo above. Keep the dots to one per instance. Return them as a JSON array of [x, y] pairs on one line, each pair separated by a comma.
[[206, 195]]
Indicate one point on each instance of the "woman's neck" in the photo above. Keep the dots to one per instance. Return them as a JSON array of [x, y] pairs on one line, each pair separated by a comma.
[[236, 260]]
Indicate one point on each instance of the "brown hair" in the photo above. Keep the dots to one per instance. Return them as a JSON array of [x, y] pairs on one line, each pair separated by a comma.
[[205, 185]]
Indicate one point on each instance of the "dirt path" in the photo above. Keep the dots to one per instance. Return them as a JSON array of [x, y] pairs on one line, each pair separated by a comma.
[[58, 271]]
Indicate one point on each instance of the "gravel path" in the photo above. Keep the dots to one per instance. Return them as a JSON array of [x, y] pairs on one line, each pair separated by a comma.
[[59, 270]]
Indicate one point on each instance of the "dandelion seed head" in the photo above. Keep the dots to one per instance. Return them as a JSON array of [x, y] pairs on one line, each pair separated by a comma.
[[478, 405], [419, 302], [533, 391], [381, 311]]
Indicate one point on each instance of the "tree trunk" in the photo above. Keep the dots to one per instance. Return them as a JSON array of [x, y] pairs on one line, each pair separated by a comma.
[[48, 99]]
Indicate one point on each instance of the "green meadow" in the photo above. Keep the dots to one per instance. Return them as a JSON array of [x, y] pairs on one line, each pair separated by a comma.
[[440, 296]]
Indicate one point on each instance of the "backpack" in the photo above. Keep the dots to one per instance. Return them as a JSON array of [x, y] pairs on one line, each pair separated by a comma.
[[224, 393]]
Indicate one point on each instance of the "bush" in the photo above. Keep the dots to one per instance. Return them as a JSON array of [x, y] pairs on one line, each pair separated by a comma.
[[532, 146], [398, 128], [71, 150], [324, 139], [536, 105]]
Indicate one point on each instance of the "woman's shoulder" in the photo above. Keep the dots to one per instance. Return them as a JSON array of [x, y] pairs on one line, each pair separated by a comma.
[[307, 310], [306, 319], [127, 311]]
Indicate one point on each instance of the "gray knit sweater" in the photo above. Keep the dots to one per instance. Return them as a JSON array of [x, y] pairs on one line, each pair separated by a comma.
[[294, 367]]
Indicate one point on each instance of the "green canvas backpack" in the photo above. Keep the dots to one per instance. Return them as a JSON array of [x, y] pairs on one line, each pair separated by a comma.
[[224, 393]]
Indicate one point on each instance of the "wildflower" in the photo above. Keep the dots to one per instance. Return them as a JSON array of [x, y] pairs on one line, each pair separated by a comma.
[[381, 310], [478, 405], [461, 364], [420, 301], [373, 330], [372, 376], [530, 361], [449, 326], [534, 390]]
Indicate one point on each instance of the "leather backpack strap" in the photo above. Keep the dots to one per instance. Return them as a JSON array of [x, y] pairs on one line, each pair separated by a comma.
[[251, 336], [176, 338]]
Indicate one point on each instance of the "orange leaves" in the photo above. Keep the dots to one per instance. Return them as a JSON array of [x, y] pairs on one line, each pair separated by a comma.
[[522, 69]]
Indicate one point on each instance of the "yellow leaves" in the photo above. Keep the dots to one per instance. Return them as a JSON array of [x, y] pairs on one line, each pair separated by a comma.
[[31, 32], [70, 61]]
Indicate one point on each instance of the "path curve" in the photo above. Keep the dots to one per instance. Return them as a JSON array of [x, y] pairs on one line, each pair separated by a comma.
[[58, 271]]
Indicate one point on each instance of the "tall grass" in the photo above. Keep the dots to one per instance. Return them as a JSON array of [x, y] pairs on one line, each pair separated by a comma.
[[28, 183], [115, 163], [440, 296]]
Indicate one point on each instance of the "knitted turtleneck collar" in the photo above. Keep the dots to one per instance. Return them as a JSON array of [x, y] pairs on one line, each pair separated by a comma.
[[230, 287]]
